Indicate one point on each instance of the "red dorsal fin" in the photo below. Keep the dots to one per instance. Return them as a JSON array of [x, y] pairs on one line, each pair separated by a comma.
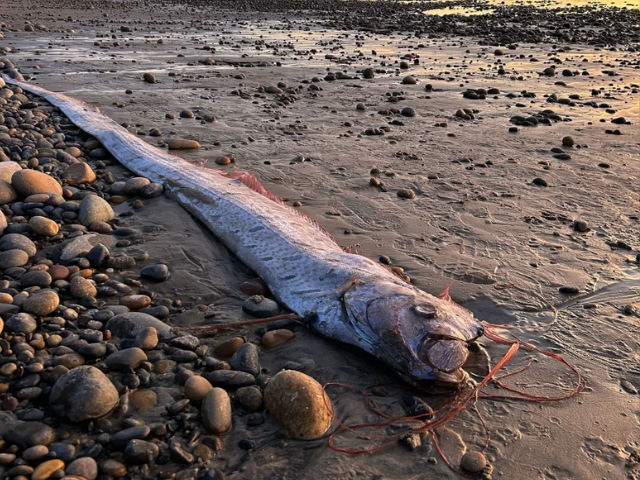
[[254, 184], [444, 295]]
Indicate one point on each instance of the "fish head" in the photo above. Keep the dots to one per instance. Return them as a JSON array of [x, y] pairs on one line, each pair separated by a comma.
[[422, 337]]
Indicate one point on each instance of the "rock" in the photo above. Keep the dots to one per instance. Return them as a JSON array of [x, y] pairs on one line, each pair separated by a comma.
[[36, 278], [3, 223], [44, 226], [81, 287], [131, 323], [231, 379], [13, 258], [83, 393], [272, 89], [46, 469], [250, 398], [127, 358], [149, 78], [94, 209], [246, 359], [79, 173], [408, 112], [260, 307], [182, 144], [139, 452], [134, 185], [299, 404], [21, 323], [30, 182], [79, 246], [135, 302], [85, 467], [25, 434], [541, 182], [277, 337], [42, 302], [186, 114], [152, 190], [216, 411], [58, 272], [7, 192], [7, 169], [12, 241], [580, 226], [63, 451], [196, 387], [34, 453], [113, 468], [568, 142], [228, 347], [123, 437], [157, 273], [409, 80], [473, 462], [97, 255], [146, 339], [406, 193]]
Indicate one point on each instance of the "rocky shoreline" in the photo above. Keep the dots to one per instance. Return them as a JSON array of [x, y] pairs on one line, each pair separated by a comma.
[[83, 337]]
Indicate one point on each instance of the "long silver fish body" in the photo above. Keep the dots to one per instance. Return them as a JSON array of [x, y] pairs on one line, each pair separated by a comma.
[[346, 297]]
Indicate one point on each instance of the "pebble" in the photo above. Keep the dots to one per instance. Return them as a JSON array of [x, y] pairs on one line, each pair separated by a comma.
[[246, 359], [409, 80], [230, 379], [135, 302], [17, 241], [628, 387], [182, 144], [7, 192], [260, 307], [44, 226], [94, 209], [34, 453], [63, 451], [42, 302], [83, 393], [157, 273], [81, 287], [13, 258], [277, 337], [25, 434], [568, 142], [228, 347], [85, 467], [120, 439], [7, 169], [473, 462], [250, 398], [216, 411], [580, 226], [79, 173], [21, 323], [134, 185], [196, 387], [127, 358], [113, 468], [406, 193], [146, 339], [139, 452], [46, 469], [541, 182], [30, 182], [131, 323], [297, 401]]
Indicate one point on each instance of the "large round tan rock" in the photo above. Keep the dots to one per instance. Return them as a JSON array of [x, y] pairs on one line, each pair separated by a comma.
[[216, 411], [30, 182], [42, 302], [83, 393], [78, 173], [196, 388], [7, 169], [44, 226], [46, 469], [7, 192], [298, 403]]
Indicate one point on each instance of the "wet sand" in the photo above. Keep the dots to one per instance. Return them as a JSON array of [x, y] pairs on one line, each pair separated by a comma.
[[477, 222]]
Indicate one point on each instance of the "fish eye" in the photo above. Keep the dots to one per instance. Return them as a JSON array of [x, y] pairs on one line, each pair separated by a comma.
[[426, 311]]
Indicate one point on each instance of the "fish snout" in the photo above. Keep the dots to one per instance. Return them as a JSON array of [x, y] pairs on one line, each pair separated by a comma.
[[479, 333]]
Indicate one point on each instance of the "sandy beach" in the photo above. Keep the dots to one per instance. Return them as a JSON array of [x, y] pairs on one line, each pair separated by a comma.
[[495, 154]]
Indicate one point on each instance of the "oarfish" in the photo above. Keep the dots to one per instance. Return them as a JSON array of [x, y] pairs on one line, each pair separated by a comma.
[[344, 296]]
